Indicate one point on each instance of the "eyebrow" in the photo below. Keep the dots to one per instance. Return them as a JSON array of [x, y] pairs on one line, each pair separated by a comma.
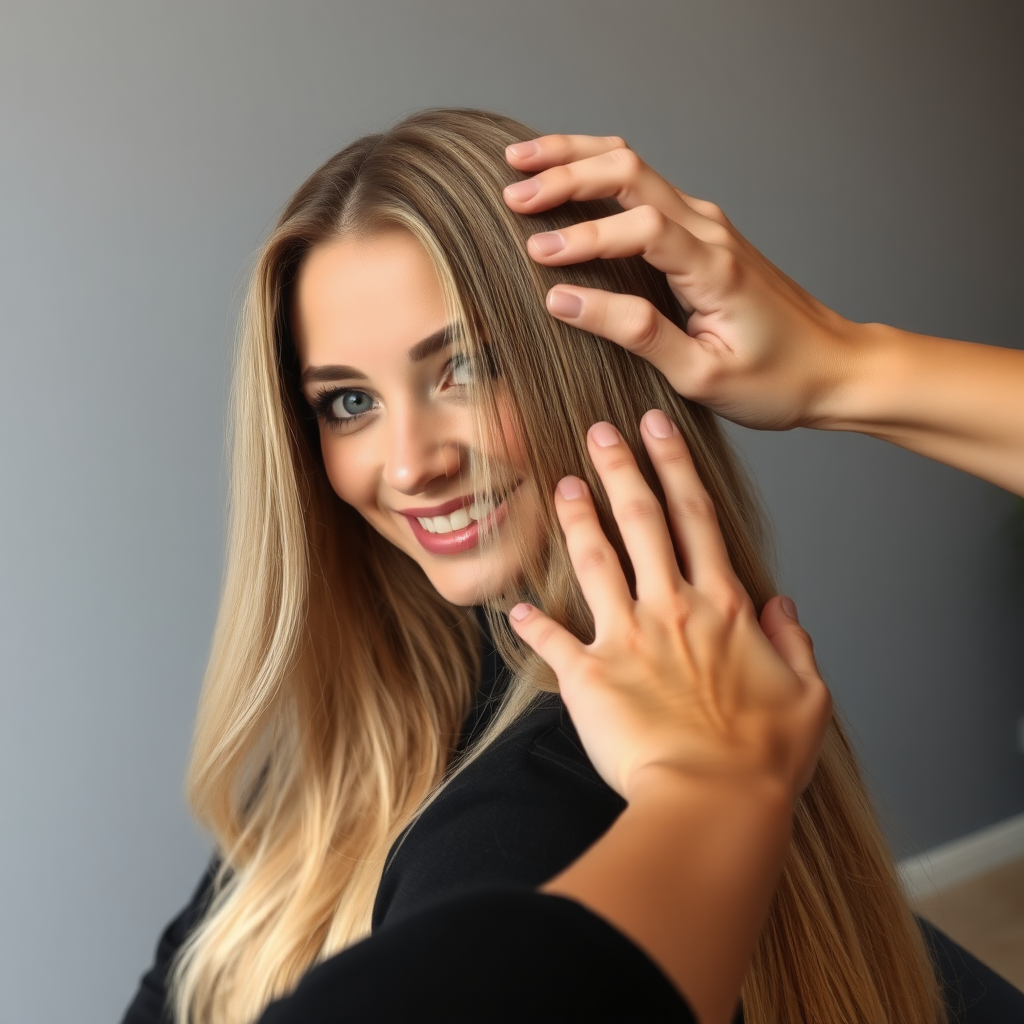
[[421, 350]]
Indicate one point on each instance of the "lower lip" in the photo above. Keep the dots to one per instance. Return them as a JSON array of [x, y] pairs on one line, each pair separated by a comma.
[[458, 540]]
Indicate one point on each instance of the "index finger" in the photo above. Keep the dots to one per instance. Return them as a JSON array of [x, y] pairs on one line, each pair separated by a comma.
[[550, 150]]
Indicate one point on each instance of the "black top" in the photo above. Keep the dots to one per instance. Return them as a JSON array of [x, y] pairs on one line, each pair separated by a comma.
[[498, 954], [523, 811], [519, 814]]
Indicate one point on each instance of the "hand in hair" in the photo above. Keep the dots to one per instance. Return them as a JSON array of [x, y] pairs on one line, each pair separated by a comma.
[[707, 722], [757, 348], [682, 678]]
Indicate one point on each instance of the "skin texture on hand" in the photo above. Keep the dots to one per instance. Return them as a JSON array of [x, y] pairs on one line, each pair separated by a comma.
[[757, 348], [708, 722]]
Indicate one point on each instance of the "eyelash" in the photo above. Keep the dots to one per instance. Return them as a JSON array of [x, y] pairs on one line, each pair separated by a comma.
[[324, 399]]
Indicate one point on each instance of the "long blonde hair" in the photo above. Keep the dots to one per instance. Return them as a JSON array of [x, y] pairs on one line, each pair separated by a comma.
[[339, 677]]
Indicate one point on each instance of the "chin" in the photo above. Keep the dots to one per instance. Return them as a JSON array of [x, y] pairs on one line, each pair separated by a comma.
[[466, 590], [461, 594]]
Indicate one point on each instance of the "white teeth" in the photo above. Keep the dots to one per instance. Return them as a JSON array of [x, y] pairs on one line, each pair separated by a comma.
[[481, 509], [459, 519]]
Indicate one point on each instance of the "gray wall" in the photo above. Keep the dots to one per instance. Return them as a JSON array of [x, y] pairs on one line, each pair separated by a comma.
[[873, 150]]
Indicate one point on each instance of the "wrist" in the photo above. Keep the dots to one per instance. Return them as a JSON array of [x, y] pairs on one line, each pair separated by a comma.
[[865, 379], [669, 791]]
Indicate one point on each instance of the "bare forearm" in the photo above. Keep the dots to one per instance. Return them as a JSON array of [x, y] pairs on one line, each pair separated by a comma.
[[953, 401], [688, 872]]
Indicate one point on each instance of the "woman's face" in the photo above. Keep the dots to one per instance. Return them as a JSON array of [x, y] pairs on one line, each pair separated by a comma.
[[391, 398]]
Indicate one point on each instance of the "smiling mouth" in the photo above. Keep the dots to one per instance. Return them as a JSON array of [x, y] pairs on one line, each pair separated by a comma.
[[461, 517], [460, 529]]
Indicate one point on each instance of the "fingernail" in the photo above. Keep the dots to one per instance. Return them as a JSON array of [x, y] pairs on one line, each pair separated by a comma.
[[564, 304], [523, 190], [519, 612], [521, 150], [789, 607], [548, 243], [658, 424], [571, 487], [604, 434]]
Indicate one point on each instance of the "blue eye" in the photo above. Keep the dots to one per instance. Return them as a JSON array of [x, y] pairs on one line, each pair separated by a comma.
[[460, 371], [340, 408], [348, 404]]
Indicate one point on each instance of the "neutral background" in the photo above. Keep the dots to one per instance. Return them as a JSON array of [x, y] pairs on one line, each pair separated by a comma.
[[872, 149]]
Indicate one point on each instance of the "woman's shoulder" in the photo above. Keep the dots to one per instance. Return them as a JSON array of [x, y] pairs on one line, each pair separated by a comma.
[[149, 1006], [520, 812]]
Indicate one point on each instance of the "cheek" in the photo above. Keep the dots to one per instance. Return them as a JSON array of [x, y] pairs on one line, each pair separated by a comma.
[[510, 435], [348, 481]]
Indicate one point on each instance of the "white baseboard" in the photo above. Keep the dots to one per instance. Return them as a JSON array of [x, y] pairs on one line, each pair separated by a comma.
[[963, 859]]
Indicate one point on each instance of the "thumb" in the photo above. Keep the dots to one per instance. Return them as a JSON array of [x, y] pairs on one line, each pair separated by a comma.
[[791, 641], [793, 644], [553, 642]]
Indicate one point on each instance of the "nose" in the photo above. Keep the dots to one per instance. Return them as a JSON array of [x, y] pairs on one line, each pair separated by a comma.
[[422, 450]]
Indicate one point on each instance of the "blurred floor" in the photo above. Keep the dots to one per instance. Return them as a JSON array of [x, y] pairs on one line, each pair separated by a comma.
[[986, 916]]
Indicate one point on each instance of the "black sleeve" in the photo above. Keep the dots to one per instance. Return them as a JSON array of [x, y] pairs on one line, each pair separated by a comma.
[[500, 954], [974, 993], [519, 814], [150, 1003]]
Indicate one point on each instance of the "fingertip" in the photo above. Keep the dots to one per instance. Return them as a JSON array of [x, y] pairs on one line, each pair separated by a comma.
[[572, 487], [522, 150], [657, 424], [521, 191], [564, 304], [517, 613]]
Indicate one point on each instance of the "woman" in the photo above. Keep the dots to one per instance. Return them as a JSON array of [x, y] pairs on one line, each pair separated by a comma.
[[706, 722], [344, 661]]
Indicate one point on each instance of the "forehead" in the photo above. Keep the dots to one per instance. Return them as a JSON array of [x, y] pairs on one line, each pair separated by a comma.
[[363, 299]]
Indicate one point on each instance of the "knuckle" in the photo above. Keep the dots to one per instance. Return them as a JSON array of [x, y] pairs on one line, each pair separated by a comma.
[[639, 510], [544, 635], [615, 460], [712, 211], [799, 635], [633, 637], [558, 179], [626, 162], [719, 235], [572, 515], [802, 635], [733, 603], [590, 559], [616, 142], [587, 233], [650, 220], [694, 506], [676, 455], [730, 272], [705, 379], [591, 672], [642, 327], [557, 147]]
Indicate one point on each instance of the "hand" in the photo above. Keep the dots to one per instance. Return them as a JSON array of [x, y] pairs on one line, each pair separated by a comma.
[[681, 678], [757, 348]]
